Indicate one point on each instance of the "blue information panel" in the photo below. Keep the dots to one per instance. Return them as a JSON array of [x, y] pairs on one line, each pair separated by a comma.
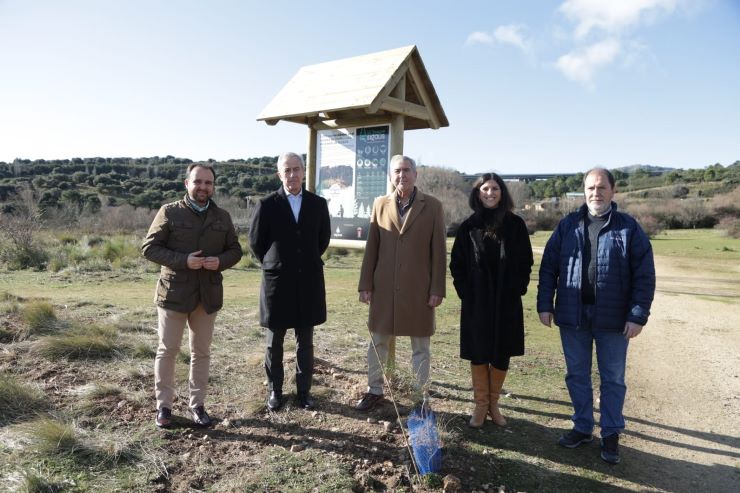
[[352, 171]]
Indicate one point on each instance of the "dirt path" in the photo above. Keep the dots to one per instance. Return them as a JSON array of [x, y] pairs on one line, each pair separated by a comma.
[[683, 402]]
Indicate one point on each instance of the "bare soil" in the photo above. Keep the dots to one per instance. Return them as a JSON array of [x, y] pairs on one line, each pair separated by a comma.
[[683, 398]]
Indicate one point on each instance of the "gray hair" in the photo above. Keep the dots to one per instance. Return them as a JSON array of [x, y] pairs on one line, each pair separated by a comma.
[[604, 171], [399, 158], [284, 157]]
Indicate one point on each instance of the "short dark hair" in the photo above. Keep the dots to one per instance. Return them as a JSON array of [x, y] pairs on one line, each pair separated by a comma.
[[505, 204], [598, 169], [200, 165]]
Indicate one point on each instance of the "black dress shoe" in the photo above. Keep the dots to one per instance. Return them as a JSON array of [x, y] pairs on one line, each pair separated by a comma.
[[275, 401], [200, 416], [305, 401], [164, 417], [369, 401]]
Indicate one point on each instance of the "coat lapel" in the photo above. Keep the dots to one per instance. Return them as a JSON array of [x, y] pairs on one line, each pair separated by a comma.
[[413, 213], [282, 199], [392, 210]]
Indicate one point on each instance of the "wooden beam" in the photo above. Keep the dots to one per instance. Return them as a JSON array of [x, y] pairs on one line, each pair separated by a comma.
[[398, 106], [393, 82], [352, 122], [418, 82]]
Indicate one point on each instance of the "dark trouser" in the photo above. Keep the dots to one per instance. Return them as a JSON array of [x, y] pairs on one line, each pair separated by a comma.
[[304, 358]]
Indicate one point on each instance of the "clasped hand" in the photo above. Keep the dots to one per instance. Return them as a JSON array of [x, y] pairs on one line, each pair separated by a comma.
[[195, 261]]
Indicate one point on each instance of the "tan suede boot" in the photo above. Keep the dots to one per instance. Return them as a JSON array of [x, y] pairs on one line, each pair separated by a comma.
[[480, 394], [496, 383]]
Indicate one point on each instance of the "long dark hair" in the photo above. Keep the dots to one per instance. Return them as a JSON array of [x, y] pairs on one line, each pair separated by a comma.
[[506, 204]]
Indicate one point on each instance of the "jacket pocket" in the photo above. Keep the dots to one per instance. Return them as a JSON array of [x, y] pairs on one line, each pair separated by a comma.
[[171, 284], [182, 234]]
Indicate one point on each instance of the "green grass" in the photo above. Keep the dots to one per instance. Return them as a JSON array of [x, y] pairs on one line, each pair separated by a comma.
[[703, 243]]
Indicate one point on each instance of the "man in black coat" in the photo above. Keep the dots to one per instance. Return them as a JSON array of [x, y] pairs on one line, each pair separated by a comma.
[[290, 231]]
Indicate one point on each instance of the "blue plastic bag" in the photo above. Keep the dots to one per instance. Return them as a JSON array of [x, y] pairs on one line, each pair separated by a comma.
[[424, 440]]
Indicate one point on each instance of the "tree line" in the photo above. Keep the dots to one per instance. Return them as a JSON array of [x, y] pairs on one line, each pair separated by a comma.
[[87, 184]]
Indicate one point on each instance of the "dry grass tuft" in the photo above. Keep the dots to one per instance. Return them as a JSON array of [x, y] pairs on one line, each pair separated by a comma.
[[52, 437], [19, 400], [95, 342], [40, 316]]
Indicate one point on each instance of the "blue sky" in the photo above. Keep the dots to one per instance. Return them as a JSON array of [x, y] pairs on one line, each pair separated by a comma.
[[545, 86]]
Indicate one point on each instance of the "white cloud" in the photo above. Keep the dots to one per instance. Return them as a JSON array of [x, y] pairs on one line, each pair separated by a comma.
[[580, 66], [512, 34], [614, 16], [479, 37]]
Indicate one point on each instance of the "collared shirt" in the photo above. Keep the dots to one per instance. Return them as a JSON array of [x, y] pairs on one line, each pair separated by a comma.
[[197, 208], [403, 208], [295, 203]]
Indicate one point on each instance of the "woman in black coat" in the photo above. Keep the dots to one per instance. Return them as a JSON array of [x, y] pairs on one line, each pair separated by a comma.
[[490, 264]]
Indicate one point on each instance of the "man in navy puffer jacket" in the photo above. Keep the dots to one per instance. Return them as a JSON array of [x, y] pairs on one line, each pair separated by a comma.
[[600, 262]]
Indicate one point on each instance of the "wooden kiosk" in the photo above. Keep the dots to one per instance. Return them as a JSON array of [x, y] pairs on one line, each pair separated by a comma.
[[356, 110]]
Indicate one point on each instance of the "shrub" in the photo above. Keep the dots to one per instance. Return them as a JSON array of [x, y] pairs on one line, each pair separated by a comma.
[[20, 247], [19, 400], [114, 249], [731, 226], [57, 263], [94, 241], [31, 256], [67, 239]]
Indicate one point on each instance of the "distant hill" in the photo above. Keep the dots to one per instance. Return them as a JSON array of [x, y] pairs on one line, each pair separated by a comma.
[[649, 168]]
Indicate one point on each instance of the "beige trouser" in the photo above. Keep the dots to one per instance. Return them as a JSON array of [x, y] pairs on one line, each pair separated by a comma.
[[171, 327], [419, 361]]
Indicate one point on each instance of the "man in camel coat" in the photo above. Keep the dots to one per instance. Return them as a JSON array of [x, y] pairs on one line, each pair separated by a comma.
[[402, 276]]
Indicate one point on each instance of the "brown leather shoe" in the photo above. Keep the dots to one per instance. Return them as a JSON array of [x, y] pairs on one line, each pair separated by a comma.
[[368, 401], [164, 417]]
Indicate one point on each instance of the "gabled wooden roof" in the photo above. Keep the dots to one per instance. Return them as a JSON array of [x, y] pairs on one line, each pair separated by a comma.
[[358, 89]]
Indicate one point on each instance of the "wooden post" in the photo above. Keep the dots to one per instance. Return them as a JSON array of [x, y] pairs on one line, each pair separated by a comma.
[[397, 128], [311, 159]]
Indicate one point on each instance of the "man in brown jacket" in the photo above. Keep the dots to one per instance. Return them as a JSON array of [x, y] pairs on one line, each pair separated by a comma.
[[402, 276], [193, 240]]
